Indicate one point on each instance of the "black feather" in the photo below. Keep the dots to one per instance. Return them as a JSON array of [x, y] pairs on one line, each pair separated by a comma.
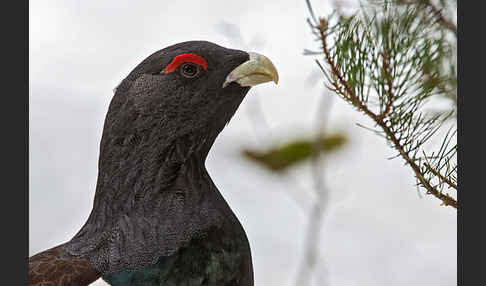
[[155, 205]]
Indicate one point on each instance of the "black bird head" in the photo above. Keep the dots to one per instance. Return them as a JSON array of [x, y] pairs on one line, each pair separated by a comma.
[[188, 89], [161, 123]]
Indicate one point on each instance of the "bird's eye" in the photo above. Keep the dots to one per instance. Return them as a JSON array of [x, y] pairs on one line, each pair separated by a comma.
[[189, 70]]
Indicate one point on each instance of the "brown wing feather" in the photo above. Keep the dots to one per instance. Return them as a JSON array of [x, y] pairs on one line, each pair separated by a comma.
[[55, 267]]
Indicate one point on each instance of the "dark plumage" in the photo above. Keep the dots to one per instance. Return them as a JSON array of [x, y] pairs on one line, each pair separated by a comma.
[[157, 218]]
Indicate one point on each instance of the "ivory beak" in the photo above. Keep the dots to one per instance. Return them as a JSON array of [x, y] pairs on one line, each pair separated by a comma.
[[258, 69]]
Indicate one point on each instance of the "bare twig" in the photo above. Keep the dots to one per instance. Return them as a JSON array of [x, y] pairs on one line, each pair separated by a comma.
[[316, 216]]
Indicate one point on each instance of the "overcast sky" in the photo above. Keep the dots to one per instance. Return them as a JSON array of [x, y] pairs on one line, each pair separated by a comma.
[[377, 231]]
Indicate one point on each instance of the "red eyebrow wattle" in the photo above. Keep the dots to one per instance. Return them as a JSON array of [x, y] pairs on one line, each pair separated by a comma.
[[184, 58]]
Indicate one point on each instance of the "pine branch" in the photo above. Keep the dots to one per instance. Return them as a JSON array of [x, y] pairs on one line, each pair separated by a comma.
[[436, 11], [442, 177], [445, 22], [404, 129]]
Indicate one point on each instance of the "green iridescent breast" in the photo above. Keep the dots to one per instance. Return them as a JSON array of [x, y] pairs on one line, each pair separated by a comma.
[[216, 259]]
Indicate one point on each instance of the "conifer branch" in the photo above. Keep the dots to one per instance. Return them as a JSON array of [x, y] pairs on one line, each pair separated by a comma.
[[404, 74], [445, 22]]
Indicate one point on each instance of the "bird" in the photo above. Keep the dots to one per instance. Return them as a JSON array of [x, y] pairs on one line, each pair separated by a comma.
[[157, 216]]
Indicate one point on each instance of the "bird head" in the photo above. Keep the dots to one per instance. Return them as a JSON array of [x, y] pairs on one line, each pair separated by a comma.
[[187, 89]]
